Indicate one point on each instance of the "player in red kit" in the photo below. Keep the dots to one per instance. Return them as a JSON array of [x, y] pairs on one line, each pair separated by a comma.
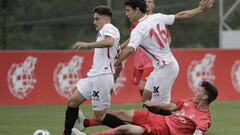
[[190, 117]]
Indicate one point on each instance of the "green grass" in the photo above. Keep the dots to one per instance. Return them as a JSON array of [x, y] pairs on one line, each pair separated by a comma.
[[24, 120]]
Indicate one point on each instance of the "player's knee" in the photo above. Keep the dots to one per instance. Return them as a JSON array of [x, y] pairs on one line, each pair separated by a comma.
[[99, 115], [121, 113], [73, 102], [76, 100], [125, 129]]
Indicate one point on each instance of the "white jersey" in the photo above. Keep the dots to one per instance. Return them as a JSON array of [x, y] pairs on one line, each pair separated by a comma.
[[104, 58], [152, 36]]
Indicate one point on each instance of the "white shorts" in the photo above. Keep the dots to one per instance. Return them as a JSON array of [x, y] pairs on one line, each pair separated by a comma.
[[98, 88], [160, 82]]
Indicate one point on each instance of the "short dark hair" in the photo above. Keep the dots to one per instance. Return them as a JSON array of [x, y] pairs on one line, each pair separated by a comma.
[[211, 90], [102, 10], [141, 4]]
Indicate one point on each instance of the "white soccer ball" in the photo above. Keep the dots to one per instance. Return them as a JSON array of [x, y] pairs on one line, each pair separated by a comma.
[[41, 132]]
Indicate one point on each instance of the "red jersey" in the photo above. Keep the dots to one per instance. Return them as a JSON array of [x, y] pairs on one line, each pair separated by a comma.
[[187, 119], [141, 60]]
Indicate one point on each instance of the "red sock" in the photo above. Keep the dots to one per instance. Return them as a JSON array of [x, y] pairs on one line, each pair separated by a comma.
[[91, 122], [106, 132]]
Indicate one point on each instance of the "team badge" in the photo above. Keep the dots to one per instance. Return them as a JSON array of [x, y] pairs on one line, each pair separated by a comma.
[[200, 70], [66, 75], [21, 77]]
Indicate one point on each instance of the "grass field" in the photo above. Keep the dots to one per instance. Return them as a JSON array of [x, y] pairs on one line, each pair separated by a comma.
[[24, 120]]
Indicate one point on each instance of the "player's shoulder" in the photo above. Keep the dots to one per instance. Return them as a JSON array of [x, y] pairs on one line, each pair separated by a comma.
[[158, 15], [109, 26]]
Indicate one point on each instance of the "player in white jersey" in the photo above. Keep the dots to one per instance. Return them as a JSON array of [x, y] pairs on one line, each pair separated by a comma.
[[151, 35], [100, 79]]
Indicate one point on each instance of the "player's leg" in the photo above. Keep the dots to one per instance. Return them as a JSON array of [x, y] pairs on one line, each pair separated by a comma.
[[72, 111], [121, 130], [101, 97], [145, 73], [163, 82], [148, 89], [74, 102]]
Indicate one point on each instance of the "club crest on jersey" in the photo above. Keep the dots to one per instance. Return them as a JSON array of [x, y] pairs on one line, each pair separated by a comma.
[[66, 75], [21, 77], [199, 70], [235, 75]]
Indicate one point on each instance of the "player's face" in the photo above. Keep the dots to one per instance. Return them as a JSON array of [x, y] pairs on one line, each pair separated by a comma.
[[99, 21], [130, 13], [150, 6], [201, 93]]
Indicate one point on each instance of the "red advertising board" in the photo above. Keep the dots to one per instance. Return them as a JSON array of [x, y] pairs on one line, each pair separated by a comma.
[[49, 77]]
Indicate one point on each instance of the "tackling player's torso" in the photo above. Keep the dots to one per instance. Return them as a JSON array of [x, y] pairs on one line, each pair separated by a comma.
[[188, 118], [104, 58]]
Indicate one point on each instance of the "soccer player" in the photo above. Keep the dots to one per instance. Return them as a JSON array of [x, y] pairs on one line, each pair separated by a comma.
[[143, 66], [151, 35], [190, 117], [100, 79]]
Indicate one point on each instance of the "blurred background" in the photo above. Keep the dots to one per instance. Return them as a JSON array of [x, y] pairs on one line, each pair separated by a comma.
[[57, 24]]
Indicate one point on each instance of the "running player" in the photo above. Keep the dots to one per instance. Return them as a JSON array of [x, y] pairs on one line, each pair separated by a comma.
[[142, 63], [190, 117], [100, 79], [151, 35]]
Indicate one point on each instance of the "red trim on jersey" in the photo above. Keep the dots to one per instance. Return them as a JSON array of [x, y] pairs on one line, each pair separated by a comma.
[[148, 52], [145, 17], [163, 61], [109, 60], [133, 25]]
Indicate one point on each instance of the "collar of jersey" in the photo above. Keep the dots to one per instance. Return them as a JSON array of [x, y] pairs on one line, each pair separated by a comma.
[[143, 18]]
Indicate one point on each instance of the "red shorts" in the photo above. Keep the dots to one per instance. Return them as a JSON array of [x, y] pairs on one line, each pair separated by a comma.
[[152, 123], [141, 75]]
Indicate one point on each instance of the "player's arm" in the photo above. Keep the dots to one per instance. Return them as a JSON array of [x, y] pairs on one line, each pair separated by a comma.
[[124, 54], [118, 69], [198, 132], [203, 6], [107, 42], [164, 106], [124, 44]]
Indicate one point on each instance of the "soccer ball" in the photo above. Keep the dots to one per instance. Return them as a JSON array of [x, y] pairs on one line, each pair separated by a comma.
[[41, 132]]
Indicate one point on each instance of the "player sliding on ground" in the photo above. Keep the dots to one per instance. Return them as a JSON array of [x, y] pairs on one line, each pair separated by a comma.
[[189, 117]]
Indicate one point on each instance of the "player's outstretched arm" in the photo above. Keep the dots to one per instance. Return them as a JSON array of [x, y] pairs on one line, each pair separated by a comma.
[[107, 42], [203, 6], [164, 106]]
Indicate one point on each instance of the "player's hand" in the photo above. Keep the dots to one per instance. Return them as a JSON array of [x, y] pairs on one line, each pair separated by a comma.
[[112, 93], [80, 45], [206, 4], [118, 52], [149, 103]]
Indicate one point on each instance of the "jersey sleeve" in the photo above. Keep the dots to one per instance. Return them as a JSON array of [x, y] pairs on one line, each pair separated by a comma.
[[108, 30], [167, 19], [136, 38]]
